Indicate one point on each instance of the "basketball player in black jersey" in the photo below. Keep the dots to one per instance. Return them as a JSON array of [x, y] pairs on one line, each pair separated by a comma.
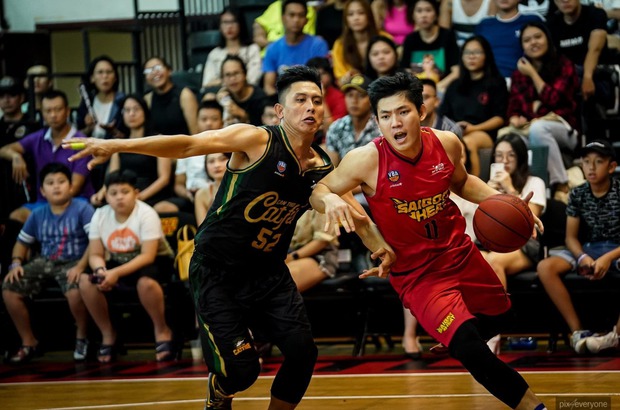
[[238, 277]]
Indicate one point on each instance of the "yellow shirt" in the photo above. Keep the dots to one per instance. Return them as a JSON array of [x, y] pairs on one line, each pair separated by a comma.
[[271, 21], [341, 67]]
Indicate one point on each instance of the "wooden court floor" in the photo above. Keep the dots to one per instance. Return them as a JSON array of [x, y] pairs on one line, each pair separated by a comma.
[[442, 390]]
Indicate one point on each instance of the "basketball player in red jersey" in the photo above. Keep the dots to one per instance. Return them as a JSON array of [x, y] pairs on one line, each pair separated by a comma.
[[407, 175]]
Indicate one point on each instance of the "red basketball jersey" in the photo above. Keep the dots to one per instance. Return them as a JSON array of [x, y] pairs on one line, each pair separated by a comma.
[[413, 210]]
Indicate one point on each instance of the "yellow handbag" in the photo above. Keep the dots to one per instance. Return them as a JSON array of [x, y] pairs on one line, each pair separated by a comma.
[[185, 249]]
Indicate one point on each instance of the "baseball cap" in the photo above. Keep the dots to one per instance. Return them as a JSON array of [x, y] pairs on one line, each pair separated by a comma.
[[359, 82], [8, 85], [602, 147]]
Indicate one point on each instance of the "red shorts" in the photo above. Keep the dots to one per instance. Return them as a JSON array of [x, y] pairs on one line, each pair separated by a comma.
[[442, 300]]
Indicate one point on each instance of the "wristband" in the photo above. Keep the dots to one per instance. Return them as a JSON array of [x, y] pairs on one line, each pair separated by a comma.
[[581, 257], [295, 255], [14, 265]]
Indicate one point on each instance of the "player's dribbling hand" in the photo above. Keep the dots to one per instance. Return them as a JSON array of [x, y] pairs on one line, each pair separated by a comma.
[[538, 225], [88, 146], [387, 257]]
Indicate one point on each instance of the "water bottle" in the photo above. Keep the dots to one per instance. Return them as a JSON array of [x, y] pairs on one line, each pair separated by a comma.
[[522, 343]]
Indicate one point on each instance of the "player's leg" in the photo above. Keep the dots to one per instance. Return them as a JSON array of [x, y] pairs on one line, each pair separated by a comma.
[[497, 377], [226, 342], [288, 324]]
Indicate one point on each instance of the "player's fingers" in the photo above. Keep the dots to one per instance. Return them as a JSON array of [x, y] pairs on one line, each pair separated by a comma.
[[346, 220], [528, 197], [369, 272]]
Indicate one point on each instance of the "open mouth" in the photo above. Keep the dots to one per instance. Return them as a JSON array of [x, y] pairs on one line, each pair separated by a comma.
[[399, 136]]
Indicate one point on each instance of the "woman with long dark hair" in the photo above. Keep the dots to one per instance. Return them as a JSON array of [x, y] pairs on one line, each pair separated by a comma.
[[349, 52], [515, 179], [477, 99], [542, 97], [233, 41], [381, 58]]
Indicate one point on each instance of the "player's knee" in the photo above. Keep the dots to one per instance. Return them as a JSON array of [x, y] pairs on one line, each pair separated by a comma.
[[299, 347], [240, 375]]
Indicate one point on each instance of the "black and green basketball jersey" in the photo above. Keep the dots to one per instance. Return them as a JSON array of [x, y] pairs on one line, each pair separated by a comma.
[[253, 216]]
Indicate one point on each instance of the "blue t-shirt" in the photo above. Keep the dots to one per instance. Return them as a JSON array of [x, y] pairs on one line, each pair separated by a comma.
[[280, 55], [503, 35], [63, 237]]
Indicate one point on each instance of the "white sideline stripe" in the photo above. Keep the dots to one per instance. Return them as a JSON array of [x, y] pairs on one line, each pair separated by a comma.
[[316, 376], [308, 398]]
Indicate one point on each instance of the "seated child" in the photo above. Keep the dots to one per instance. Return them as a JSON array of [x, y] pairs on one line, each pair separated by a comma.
[[129, 231], [61, 227], [597, 205]]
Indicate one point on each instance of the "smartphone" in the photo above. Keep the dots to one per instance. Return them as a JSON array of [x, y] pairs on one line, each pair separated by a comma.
[[495, 168]]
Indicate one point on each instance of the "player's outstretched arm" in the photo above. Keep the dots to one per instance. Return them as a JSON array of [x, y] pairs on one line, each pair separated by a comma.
[[236, 138]]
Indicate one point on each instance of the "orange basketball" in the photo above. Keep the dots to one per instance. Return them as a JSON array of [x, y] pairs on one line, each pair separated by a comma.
[[503, 223]]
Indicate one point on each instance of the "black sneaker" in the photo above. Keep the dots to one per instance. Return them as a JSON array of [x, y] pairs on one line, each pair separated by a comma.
[[81, 350], [216, 399]]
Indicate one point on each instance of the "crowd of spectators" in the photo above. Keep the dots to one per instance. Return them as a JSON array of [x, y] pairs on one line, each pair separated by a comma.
[[500, 74]]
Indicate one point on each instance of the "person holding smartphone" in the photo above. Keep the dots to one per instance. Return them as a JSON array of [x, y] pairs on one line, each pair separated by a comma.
[[510, 174]]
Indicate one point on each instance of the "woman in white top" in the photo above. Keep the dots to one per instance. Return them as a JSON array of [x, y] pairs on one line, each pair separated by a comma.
[[216, 167], [515, 179], [232, 30], [104, 99]]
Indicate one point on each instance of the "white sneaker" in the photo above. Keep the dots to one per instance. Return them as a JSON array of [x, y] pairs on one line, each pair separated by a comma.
[[494, 344], [597, 343], [578, 340]]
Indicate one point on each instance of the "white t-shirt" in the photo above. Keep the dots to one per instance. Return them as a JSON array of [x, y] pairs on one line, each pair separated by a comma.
[[194, 170], [127, 237], [468, 209], [102, 111], [537, 186]]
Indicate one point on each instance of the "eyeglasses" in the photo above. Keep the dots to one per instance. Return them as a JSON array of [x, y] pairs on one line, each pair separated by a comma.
[[131, 110], [500, 156], [476, 53], [228, 22], [151, 70], [233, 74]]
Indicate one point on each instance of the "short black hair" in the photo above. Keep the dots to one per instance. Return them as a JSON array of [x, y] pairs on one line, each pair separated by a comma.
[[54, 168], [52, 94], [428, 81], [296, 74], [211, 104], [287, 2], [121, 177], [231, 57], [400, 83]]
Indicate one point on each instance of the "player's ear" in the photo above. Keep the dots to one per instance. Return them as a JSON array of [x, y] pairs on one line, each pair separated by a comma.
[[279, 110], [422, 112]]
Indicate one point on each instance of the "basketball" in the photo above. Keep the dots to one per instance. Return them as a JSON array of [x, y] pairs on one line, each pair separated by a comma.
[[503, 223]]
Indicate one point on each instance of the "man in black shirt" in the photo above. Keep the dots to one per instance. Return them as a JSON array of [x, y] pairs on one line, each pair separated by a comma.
[[580, 33]]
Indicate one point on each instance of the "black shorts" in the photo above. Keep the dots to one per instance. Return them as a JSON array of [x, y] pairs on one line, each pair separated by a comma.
[[231, 303]]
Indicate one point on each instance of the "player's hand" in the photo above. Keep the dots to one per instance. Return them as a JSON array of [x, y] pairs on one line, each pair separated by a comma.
[[387, 257], [339, 213], [15, 274], [96, 147], [538, 225]]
